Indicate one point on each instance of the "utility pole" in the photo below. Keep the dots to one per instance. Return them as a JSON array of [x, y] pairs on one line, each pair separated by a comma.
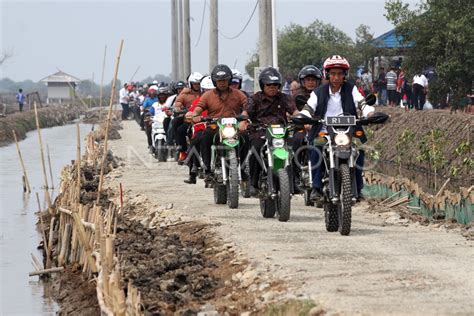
[[274, 36], [213, 39], [174, 41], [180, 35], [265, 35], [187, 39]]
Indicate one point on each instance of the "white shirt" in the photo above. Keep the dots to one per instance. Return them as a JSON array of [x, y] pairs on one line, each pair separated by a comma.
[[123, 94], [421, 80]]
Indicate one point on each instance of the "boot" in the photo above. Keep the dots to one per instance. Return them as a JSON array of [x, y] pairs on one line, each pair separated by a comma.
[[192, 179]]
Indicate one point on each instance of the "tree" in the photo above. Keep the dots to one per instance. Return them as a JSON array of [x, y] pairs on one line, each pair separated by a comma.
[[4, 56], [441, 34], [363, 46], [299, 46]]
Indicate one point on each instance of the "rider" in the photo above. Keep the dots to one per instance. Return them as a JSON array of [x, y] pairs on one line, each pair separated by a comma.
[[269, 106], [334, 98], [197, 132], [310, 78], [183, 102], [223, 101], [147, 105], [161, 106], [176, 89]]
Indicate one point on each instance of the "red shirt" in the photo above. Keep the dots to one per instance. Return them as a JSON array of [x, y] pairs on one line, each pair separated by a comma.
[[198, 126]]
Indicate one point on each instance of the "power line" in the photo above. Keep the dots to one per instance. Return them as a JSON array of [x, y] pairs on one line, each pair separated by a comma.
[[246, 24], [202, 23]]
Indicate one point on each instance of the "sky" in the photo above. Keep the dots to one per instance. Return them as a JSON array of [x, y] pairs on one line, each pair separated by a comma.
[[71, 35]]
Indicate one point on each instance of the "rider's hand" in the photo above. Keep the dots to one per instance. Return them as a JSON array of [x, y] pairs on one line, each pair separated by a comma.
[[243, 125], [308, 127], [196, 119], [188, 117]]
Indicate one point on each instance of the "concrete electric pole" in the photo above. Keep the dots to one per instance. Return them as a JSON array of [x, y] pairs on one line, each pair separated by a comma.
[[174, 42], [180, 36], [187, 39], [265, 33], [213, 39]]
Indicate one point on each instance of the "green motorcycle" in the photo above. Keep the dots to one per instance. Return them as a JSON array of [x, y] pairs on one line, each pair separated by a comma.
[[275, 183], [225, 166]]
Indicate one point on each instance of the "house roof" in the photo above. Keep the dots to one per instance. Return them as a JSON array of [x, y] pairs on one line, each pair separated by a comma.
[[60, 76], [390, 40]]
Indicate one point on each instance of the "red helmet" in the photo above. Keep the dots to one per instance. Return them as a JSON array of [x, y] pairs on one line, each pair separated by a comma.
[[335, 61]]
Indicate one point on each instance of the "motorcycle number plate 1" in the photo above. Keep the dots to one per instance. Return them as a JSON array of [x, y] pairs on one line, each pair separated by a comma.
[[278, 130], [229, 120], [341, 120]]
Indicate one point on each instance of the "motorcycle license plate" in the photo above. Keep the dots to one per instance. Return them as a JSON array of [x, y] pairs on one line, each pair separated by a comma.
[[278, 130], [229, 120], [341, 120]]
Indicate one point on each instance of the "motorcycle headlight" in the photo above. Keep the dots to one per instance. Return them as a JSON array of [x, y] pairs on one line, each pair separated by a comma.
[[342, 140], [278, 142], [229, 132]]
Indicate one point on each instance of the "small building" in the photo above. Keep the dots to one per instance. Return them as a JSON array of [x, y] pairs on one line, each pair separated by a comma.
[[61, 87]]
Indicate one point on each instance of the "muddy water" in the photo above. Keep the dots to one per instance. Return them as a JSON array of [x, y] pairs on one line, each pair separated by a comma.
[[20, 294]]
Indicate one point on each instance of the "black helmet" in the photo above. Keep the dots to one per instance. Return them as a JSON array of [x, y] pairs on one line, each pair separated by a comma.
[[269, 75], [162, 90], [309, 70], [221, 72]]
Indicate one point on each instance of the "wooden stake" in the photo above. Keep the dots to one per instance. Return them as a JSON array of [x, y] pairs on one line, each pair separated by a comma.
[[64, 245], [45, 242], [42, 156], [442, 188], [50, 169], [78, 161], [46, 271], [28, 189], [38, 265], [102, 84], [109, 118]]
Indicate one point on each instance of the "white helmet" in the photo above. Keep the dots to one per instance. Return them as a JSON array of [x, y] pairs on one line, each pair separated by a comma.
[[155, 82], [206, 83], [237, 77], [194, 77]]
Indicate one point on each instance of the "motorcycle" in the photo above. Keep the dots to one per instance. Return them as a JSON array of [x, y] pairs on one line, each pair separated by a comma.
[[339, 155], [275, 179], [225, 166], [158, 134]]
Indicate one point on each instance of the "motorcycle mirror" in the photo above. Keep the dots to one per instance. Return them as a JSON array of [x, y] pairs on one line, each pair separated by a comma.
[[301, 119], [300, 101], [242, 118], [370, 99], [376, 118]]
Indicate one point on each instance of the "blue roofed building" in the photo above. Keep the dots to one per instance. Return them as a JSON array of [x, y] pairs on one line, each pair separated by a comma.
[[391, 40]]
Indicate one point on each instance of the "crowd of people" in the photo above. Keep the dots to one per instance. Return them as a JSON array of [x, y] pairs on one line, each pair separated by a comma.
[[186, 103]]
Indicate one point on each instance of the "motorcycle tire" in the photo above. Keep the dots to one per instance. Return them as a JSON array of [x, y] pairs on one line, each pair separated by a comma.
[[331, 217], [268, 207], [307, 199], [161, 152], [233, 181], [220, 193], [345, 205], [284, 195]]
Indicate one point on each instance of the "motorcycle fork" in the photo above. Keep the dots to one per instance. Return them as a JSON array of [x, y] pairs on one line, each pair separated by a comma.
[[271, 189], [352, 168], [333, 195]]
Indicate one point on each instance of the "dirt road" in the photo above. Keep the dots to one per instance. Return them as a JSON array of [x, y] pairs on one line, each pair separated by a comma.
[[381, 268]]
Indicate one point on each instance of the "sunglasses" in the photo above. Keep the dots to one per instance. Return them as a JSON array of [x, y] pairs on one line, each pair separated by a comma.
[[272, 85]]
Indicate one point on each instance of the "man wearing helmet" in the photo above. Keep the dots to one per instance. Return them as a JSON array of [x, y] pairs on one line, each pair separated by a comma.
[[332, 99], [269, 106], [183, 102], [223, 101], [309, 78]]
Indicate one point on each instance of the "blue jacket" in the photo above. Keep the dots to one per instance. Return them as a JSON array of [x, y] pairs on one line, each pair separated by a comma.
[[149, 102]]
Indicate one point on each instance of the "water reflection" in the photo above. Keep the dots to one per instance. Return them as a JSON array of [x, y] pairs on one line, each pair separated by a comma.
[[19, 293]]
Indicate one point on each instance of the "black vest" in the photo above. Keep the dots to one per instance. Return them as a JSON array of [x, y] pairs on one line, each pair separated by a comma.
[[348, 106]]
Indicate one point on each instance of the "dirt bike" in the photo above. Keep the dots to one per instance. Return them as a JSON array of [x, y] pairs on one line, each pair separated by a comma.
[[275, 179], [339, 155], [225, 166]]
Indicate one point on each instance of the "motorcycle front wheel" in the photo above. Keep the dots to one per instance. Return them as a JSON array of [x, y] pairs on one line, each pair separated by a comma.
[[284, 195], [345, 203], [233, 181]]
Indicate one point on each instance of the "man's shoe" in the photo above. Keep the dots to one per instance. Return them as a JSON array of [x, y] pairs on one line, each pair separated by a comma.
[[360, 198], [150, 149], [316, 195], [182, 157], [192, 179]]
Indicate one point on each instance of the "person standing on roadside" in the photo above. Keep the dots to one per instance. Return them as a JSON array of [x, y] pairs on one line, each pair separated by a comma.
[[124, 99], [382, 87], [420, 88], [20, 97], [391, 78]]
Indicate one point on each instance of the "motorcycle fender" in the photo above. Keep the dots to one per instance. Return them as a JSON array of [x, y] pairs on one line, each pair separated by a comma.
[[232, 144], [161, 136], [280, 153]]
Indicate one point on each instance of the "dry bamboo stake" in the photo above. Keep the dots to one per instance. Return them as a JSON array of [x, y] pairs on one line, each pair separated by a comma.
[[45, 243], [50, 169], [42, 156], [50, 242], [102, 84], [82, 237], [46, 271], [28, 189], [78, 160], [64, 244], [38, 265], [442, 188], [109, 117]]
